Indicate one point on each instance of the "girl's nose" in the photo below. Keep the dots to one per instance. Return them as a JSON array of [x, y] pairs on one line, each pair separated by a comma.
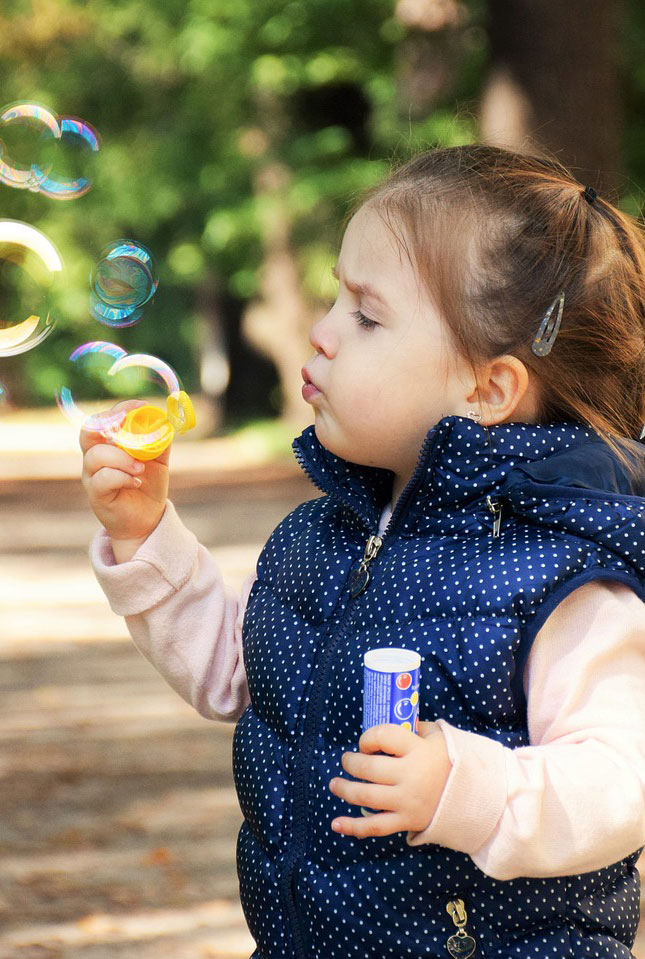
[[323, 337]]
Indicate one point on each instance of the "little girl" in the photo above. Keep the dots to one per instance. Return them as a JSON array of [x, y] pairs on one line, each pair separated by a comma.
[[478, 390]]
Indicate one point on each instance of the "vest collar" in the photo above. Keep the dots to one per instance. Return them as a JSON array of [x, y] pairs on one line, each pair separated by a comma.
[[461, 464]]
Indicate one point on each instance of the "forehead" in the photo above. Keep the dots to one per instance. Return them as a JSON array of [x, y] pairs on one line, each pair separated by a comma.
[[375, 252]]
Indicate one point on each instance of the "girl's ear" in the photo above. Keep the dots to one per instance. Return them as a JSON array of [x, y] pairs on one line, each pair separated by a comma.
[[504, 392]]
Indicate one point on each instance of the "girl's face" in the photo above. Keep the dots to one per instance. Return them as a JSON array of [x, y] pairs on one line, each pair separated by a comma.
[[385, 370]]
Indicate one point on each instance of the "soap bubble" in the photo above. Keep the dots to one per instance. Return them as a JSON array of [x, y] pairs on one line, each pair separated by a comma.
[[156, 370], [135, 373], [29, 264], [25, 130], [156, 432], [123, 281], [78, 140], [35, 145], [106, 353], [116, 317]]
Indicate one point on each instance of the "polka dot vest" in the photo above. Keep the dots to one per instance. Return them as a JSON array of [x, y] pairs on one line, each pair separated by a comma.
[[494, 529]]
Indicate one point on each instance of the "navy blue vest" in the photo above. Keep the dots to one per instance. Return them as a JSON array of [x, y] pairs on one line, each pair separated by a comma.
[[470, 599]]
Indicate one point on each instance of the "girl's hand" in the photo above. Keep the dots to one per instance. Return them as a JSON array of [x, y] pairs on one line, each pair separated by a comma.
[[127, 497], [406, 784]]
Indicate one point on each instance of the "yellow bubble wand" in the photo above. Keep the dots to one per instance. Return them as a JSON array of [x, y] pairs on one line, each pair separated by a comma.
[[146, 431], [159, 425]]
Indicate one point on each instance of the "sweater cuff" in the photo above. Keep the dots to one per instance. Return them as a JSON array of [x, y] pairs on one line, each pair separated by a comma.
[[474, 796], [161, 566]]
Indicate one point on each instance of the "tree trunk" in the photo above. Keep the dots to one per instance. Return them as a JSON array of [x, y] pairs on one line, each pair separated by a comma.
[[430, 56], [278, 323], [554, 83]]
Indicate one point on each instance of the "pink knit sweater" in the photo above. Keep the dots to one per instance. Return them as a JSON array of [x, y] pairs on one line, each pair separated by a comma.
[[572, 801]]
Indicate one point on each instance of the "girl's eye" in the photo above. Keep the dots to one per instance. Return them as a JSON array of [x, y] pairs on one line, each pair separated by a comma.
[[363, 320]]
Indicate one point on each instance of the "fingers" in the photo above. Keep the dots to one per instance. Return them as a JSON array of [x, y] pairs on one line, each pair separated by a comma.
[[364, 794], [108, 468], [387, 738], [92, 430], [376, 769], [108, 481], [102, 455], [88, 437], [379, 824]]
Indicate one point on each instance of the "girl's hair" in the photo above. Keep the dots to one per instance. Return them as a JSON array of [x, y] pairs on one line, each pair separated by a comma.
[[495, 236]]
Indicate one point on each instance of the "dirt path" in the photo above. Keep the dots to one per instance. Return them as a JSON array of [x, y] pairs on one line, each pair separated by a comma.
[[119, 815]]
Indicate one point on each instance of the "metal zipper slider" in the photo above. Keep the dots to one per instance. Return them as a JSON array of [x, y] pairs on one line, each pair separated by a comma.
[[360, 576], [460, 945], [495, 507]]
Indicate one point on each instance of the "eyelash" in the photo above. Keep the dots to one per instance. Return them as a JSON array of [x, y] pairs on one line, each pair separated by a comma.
[[363, 320]]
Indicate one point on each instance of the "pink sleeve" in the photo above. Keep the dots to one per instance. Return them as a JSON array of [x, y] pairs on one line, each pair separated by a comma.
[[574, 800], [180, 615]]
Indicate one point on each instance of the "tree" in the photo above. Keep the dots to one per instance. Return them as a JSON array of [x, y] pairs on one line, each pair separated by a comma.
[[182, 93], [554, 81]]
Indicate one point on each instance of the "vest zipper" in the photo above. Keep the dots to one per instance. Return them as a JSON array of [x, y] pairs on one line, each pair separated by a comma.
[[495, 508], [303, 762], [461, 944], [360, 576]]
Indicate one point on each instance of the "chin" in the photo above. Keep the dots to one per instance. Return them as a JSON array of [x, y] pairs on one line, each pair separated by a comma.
[[323, 437], [331, 443], [345, 450]]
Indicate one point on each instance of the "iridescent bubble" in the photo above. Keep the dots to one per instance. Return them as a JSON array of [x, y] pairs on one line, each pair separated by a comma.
[[146, 430], [78, 140], [154, 429], [124, 279], [25, 130], [107, 353], [29, 265], [118, 317], [157, 370], [36, 146]]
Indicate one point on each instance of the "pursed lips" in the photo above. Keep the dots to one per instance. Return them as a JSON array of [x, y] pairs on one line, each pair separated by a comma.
[[309, 388]]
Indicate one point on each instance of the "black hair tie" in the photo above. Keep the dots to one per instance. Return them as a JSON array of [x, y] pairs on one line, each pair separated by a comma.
[[589, 194]]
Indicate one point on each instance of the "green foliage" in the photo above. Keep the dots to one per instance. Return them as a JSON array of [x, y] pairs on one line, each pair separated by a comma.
[[192, 101], [633, 69]]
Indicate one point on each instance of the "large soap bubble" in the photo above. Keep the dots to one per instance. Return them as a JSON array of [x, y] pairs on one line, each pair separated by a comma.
[[147, 430], [34, 146], [24, 130], [78, 141], [29, 265], [123, 281], [99, 357]]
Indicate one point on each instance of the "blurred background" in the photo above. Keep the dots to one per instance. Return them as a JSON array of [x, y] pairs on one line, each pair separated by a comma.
[[234, 137]]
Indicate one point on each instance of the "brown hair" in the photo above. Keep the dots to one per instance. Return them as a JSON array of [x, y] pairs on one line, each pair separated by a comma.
[[495, 236]]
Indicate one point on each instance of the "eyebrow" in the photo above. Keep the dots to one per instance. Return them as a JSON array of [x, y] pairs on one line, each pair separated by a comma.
[[365, 288]]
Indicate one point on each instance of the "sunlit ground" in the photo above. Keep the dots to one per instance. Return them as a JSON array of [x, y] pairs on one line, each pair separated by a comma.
[[119, 815]]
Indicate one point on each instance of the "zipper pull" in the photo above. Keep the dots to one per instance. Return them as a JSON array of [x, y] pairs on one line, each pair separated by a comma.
[[460, 945], [359, 578], [495, 507]]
